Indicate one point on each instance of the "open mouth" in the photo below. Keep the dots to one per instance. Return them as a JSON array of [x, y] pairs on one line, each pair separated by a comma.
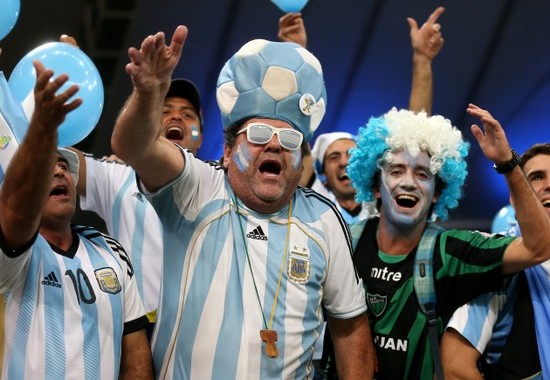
[[406, 201], [270, 167], [343, 177], [174, 133], [546, 203], [59, 190]]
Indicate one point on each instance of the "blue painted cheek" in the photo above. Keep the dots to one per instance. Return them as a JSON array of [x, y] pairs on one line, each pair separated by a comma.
[[242, 157], [386, 196], [195, 132], [387, 201]]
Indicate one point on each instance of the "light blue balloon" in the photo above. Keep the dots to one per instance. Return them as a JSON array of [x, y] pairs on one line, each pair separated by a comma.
[[9, 12], [504, 221], [290, 5], [64, 58]]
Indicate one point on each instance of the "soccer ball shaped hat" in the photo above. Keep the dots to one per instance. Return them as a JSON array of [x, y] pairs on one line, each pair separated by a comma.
[[273, 80]]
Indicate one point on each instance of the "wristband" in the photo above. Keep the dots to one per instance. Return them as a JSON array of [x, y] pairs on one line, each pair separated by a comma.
[[508, 166]]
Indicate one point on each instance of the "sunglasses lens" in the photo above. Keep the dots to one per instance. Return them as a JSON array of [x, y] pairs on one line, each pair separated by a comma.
[[259, 134], [290, 139], [262, 134]]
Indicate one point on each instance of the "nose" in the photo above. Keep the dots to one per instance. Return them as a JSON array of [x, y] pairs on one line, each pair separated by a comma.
[[58, 171], [344, 159], [407, 181], [174, 115], [273, 144]]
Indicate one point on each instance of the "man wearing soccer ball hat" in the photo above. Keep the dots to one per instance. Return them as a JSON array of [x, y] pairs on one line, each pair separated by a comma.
[[250, 260]]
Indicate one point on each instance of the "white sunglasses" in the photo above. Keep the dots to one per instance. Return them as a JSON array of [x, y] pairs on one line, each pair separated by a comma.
[[260, 133]]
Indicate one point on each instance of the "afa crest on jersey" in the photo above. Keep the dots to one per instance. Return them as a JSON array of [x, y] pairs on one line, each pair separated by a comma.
[[377, 303], [299, 265], [108, 280]]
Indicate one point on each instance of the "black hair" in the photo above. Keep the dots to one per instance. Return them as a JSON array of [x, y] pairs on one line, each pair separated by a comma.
[[533, 151]]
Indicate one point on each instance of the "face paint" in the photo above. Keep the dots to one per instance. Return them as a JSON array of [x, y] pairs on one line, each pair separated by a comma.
[[242, 156], [407, 189], [296, 158], [195, 132]]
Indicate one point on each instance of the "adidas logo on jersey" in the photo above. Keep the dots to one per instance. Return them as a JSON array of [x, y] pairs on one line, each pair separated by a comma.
[[257, 233], [51, 280]]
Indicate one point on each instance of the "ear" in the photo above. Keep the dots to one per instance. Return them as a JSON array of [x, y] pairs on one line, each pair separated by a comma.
[[226, 156], [436, 197], [376, 192]]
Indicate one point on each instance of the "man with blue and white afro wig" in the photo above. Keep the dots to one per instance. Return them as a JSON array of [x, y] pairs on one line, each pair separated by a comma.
[[412, 132]]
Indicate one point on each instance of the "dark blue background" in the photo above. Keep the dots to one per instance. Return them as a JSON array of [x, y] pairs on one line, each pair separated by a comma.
[[496, 54]]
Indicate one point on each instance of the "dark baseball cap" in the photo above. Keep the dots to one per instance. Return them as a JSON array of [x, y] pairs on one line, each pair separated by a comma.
[[183, 88]]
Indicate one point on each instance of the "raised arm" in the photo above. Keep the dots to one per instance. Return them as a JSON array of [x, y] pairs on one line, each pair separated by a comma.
[[292, 29], [426, 42], [137, 137], [28, 179], [534, 245]]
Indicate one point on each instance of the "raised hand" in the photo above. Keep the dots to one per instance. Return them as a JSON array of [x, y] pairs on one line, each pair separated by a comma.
[[427, 39], [68, 40], [152, 65], [292, 29], [50, 108], [491, 139]]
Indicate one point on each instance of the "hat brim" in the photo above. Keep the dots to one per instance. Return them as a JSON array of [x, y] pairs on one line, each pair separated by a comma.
[[183, 88]]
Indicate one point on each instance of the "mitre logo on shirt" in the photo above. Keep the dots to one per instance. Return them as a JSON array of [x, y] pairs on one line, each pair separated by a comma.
[[377, 303], [385, 274]]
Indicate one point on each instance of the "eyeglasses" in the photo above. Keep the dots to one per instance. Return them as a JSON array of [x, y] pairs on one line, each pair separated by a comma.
[[259, 133]]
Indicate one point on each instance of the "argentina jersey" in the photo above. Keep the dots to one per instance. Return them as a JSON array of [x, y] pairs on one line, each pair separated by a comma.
[[232, 271], [67, 309], [112, 193]]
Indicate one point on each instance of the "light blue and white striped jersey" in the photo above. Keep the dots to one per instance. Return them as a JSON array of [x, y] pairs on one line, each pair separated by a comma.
[[66, 311], [112, 193], [210, 316], [487, 320]]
